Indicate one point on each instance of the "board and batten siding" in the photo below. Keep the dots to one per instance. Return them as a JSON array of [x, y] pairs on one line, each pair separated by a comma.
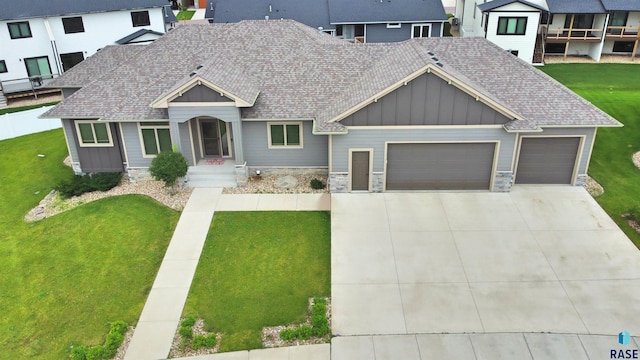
[[376, 139], [201, 93], [99, 158], [426, 100], [588, 133], [257, 153]]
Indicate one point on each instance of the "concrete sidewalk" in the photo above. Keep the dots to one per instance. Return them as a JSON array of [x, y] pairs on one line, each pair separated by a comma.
[[161, 313], [305, 352]]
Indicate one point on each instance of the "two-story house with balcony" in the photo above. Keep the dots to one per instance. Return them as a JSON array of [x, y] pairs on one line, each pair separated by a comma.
[[532, 29], [40, 39], [356, 20]]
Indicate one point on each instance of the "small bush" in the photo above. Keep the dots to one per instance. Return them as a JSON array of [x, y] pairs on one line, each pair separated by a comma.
[[318, 301], [288, 334], [81, 184], [317, 184], [79, 353], [114, 339], [95, 353], [186, 332], [188, 321], [322, 330], [634, 214], [305, 332], [168, 167], [201, 341], [119, 327]]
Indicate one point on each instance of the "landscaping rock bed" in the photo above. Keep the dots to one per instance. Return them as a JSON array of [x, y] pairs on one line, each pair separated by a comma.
[[178, 349], [593, 187], [636, 159], [271, 335], [266, 184], [125, 344]]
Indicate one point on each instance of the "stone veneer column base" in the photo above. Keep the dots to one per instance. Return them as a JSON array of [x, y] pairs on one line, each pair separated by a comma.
[[242, 175], [377, 182], [138, 174], [503, 181], [581, 179], [338, 182]]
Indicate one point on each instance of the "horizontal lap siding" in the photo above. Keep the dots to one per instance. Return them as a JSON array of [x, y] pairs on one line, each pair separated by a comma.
[[380, 33], [257, 153], [376, 138], [134, 148], [586, 148], [185, 142]]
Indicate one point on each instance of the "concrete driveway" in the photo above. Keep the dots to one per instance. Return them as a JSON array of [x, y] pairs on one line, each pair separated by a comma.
[[538, 259]]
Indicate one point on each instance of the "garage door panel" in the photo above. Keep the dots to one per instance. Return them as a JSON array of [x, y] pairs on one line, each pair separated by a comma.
[[547, 160], [439, 166]]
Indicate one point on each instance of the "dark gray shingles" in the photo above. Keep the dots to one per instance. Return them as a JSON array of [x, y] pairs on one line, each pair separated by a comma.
[[499, 3], [621, 5], [367, 11], [22, 9], [135, 35], [314, 13], [302, 73], [575, 6]]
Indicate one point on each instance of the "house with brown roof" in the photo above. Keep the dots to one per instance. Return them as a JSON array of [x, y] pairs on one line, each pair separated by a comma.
[[278, 96]]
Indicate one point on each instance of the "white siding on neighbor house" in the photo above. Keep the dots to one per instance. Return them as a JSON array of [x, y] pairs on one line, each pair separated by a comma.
[[131, 137], [376, 138], [524, 44], [100, 29], [470, 17], [257, 153], [588, 133]]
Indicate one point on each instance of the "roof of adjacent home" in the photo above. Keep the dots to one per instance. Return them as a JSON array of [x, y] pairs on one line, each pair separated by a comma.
[[369, 11], [621, 5], [575, 7], [314, 13], [500, 3], [15, 9], [285, 70], [137, 34]]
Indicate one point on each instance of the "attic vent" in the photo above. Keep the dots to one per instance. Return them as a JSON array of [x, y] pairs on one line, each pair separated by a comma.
[[434, 59], [192, 74], [439, 64], [198, 67], [430, 53]]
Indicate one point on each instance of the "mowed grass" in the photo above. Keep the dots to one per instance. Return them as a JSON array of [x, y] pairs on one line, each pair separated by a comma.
[[614, 88], [65, 278], [185, 15], [259, 269]]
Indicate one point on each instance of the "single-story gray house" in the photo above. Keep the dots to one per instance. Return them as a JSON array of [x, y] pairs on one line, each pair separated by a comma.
[[423, 114]]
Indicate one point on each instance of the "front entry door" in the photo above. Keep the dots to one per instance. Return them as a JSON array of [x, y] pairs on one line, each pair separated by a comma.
[[360, 171], [210, 137]]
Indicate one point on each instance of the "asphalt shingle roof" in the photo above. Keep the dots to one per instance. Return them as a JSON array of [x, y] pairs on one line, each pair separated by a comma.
[[302, 73], [22, 9], [575, 7], [621, 5], [499, 3], [367, 11]]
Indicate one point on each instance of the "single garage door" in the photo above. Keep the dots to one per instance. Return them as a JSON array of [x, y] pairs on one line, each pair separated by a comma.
[[460, 166], [547, 160]]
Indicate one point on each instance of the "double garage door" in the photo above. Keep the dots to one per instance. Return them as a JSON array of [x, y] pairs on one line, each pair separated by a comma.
[[469, 166]]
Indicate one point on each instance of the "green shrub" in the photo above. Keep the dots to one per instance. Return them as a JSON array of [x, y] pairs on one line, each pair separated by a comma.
[[318, 320], [114, 339], [305, 332], [188, 321], [95, 353], [319, 309], [119, 327], [321, 330], [79, 353], [186, 332], [318, 301], [288, 334], [634, 214], [201, 341], [168, 167], [81, 184], [317, 184]]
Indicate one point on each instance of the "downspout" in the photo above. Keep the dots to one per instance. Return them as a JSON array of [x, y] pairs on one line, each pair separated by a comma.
[[54, 46]]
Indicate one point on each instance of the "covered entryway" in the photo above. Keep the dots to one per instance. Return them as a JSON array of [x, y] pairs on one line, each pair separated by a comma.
[[440, 166], [547, 160]]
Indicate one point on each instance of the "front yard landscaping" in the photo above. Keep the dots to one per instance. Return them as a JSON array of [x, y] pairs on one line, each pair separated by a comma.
[[614, 88], [259, 269], [66, 278], [185, 14]]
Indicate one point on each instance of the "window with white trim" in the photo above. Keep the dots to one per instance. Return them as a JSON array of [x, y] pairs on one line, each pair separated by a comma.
[[155, 138], [93, 134], [394, 25], [420, 31], [512, 25], [285, 135]]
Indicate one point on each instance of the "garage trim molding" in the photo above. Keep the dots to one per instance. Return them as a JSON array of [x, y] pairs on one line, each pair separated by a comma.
[[578, 155], [439, 127], [351, 151], [593, 142], [496, 154]]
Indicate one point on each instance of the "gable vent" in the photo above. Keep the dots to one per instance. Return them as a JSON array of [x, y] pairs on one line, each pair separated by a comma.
[[439, 64], [192, 74], [430, 53], [198, 67]]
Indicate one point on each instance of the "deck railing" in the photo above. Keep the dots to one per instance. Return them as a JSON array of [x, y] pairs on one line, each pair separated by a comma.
[[574, 34], [623, 32], [30, 85]]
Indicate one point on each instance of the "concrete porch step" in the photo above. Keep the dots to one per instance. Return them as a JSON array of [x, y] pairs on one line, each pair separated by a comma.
[[208, 180]]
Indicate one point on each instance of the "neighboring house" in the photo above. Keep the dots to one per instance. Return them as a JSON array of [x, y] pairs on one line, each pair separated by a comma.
[[358, 20], [423, 114], [40, 39], [535, 28]]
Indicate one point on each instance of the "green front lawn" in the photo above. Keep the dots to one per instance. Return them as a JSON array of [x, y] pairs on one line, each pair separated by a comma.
[[614, 88], [259, 269], [185, 15], [65, 278]]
